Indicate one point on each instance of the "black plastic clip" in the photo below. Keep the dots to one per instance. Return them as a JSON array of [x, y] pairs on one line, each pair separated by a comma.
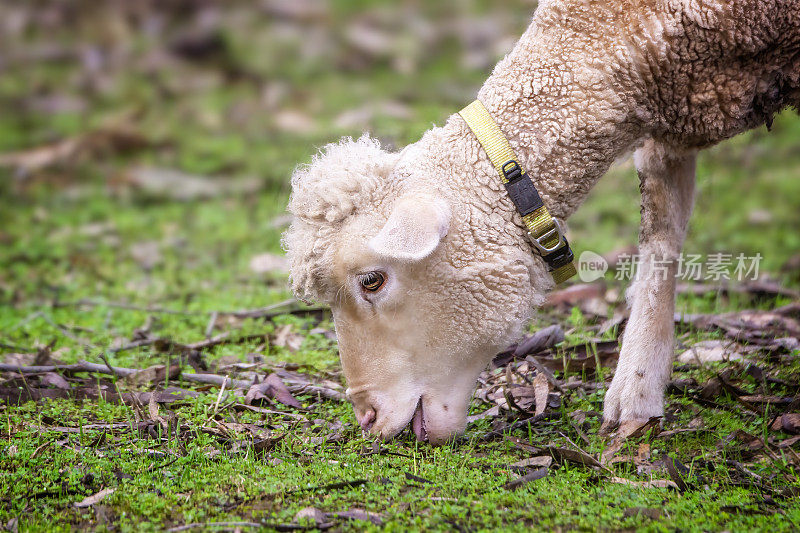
[[512, 171], [520, 188], [560, 257]]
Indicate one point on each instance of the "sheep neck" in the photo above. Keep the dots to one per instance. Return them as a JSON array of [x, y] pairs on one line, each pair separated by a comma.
[[568, 114]]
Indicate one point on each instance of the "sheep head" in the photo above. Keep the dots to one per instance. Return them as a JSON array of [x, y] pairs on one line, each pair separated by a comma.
[[420, 298]]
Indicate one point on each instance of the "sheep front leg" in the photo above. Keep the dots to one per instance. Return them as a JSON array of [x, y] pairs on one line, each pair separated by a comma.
[[667, 185]]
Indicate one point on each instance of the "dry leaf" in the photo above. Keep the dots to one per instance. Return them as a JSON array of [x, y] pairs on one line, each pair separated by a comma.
[[361, 514], [54, 380], [107, 140], [791, 441], [758, 327], [147, 254], [575, 294], [296, 10], [573, 456], [643, 454], [152, 410], [541, 388], [295, 122], [789, 422], [312, 514], [285, 337], [709, 352], [654, 483], [542, 460], [271, 388], [176, 185], [580, 358], [153, 374], [627, 430], [677, 471], [491, 412], [94, 498], [539, 473], [267, 262]]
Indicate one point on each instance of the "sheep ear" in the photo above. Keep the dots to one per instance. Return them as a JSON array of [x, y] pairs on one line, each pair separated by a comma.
[[414, 230]]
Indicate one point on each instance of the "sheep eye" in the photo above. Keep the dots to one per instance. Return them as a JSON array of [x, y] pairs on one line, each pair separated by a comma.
[[372, 281]]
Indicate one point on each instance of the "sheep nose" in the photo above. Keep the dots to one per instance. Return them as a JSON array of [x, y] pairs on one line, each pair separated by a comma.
[[362, 406]]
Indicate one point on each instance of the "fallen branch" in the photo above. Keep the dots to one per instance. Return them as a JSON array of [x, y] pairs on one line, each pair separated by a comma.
[[206, 525], [213, 379], [85, 366], [208, 379], [127, 306], [267, 312]]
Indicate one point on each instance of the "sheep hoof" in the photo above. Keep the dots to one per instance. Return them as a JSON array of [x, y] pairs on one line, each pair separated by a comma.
[[608, 427]]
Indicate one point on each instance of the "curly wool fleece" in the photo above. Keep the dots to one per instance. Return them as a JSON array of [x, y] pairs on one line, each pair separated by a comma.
[[586, 83]]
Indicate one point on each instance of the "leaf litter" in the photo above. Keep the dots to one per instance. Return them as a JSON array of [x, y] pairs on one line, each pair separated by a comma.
[[522, 389]]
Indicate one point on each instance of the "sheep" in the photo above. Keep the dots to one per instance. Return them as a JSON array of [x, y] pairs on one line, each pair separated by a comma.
[[423, 258]]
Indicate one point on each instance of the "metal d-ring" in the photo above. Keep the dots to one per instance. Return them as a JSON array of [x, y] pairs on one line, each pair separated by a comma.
[[543, 249]]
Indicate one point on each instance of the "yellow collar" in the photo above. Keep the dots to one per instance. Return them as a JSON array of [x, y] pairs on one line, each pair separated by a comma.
[[544, 231]]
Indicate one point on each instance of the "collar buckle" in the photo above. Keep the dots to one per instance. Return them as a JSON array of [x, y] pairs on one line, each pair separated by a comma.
[[557, 255], [539, 242]]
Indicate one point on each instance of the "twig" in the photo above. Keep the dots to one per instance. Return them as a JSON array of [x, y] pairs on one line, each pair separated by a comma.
[[222, 338], [65, 429], [123, 305], [744, 470], [213, 379], [262, 312], [212, 321], [196, 525], [159, 467], [105, 360], [584, 452], [316, 390], [219, 396], [261, 410], [208, 379], [84, 366], [134, 344], [753, 288], [330, 486], [213, 341]]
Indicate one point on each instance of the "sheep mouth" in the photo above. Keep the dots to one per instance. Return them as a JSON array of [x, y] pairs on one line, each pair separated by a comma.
[[418, 423]]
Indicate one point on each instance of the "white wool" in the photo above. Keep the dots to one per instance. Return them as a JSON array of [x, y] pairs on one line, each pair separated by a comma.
[[342, 177]]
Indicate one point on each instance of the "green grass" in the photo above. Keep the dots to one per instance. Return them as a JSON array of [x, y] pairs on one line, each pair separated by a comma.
[[71, 232], [465, 481]]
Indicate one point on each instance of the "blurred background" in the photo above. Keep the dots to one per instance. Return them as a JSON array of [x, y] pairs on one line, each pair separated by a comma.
[[146, 147]]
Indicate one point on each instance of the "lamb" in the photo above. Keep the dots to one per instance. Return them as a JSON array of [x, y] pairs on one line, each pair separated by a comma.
[[423, 258]]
